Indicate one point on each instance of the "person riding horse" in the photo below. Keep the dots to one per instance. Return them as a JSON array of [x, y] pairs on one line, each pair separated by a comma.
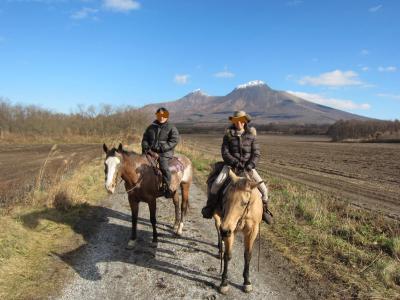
[[240, 152], [162, 137]]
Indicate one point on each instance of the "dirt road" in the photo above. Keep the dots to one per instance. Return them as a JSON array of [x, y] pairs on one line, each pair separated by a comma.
[[185, 267]]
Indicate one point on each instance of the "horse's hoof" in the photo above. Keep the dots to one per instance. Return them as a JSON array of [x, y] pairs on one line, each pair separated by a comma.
[[223, 289], [180, 229], [247, 288], [154, 244], [131, 245]]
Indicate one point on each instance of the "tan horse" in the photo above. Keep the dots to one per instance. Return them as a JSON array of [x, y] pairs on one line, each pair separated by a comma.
[[142, 185], [243, 209]]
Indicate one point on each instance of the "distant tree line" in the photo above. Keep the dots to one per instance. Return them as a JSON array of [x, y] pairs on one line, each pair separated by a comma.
[[364, 130], [89, 122], [276, 128]]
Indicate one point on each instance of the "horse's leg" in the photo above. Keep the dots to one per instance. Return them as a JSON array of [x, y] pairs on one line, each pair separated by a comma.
[[176, 205], [227, 257], [134, 210], [184, 205], [249, 238], [153, 219], [217, 220]]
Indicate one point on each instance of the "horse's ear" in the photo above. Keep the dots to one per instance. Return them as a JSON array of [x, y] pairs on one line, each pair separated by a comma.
[[120, 148], [254, 184], [105, 148], [233, 176]]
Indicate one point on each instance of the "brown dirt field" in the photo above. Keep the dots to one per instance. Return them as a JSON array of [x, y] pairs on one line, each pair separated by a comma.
[[367, 175], [20, 166]]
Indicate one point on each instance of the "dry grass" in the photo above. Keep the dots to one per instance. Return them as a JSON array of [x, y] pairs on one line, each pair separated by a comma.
[[29, 236], [353, 251]]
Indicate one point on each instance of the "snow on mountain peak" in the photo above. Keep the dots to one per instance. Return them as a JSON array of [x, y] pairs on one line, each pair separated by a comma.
[[198, 91], [250, 83]]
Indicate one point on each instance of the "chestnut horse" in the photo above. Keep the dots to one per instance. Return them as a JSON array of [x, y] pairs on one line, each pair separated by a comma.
[[242, 211], [142, 185]]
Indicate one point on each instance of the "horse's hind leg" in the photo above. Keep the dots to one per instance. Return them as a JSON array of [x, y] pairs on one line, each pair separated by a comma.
[[184, 205], [177, 215], [249, 238], [153, 220]]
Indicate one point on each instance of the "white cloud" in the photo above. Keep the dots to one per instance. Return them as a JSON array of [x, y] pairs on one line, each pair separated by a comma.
[[334, 78], [224, 74], [181, 78], [364, 69], [392, 96], [387, 69], [375, 8], [121, 5], [364, 52], [84, 13], [332, 102]]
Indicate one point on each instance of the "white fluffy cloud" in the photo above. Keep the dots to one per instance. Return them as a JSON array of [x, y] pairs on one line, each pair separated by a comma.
[[333, 79], [224, 74], [121, 5], [387, 69], [332, 102], [364, 52], [181, 78]]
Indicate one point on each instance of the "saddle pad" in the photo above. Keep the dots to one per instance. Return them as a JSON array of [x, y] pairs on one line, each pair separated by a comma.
[[175, 165]]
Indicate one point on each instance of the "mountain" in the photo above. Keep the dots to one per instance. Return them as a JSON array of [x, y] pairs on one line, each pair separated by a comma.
[[264, 104]]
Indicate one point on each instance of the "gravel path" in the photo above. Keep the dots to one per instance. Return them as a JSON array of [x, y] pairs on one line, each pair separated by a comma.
[[185, 267]]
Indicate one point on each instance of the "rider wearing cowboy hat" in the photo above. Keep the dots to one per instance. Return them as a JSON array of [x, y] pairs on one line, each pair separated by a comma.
[[240, 152]]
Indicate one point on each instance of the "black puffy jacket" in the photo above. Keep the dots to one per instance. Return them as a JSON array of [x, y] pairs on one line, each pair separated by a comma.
[[163, 137], [240, 150]]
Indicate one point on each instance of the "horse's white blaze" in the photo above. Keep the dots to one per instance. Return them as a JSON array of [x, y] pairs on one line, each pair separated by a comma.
[[187, 172], [112, 164]]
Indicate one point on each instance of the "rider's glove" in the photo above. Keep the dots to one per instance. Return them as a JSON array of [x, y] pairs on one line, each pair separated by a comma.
[[249, 166]]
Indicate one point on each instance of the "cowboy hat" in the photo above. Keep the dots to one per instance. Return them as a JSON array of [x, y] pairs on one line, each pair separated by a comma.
[[240, 114]]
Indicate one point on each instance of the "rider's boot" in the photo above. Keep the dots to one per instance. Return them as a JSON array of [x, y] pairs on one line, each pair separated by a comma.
[[267, 214], [166, 191], [211, 204]]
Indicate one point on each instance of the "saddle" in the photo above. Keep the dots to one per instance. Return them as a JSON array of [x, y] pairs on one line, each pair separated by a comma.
[[175, 164]]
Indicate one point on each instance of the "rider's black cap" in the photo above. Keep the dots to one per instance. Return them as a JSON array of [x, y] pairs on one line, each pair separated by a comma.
[[162, 109]]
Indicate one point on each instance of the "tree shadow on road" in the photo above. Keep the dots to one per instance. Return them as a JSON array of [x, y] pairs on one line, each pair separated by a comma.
[[105, 239]]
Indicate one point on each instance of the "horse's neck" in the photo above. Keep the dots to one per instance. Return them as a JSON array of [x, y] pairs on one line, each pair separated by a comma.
[[128, 169]]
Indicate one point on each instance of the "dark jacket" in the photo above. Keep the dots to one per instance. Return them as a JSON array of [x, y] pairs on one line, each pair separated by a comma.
[[161, 138], [240, 151]]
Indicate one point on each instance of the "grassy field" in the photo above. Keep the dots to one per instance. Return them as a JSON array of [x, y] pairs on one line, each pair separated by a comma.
[[33, 234], [353, 251], [365, 174]]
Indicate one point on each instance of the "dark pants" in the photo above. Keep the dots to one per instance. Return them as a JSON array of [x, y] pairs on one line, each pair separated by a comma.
[[164, 167]]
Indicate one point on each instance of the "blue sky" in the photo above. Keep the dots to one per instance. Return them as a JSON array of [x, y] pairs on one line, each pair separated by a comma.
[[61, 53]]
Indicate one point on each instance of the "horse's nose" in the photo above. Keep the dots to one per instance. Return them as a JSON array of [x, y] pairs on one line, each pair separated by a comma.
[[109, 189], [226, 232]]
